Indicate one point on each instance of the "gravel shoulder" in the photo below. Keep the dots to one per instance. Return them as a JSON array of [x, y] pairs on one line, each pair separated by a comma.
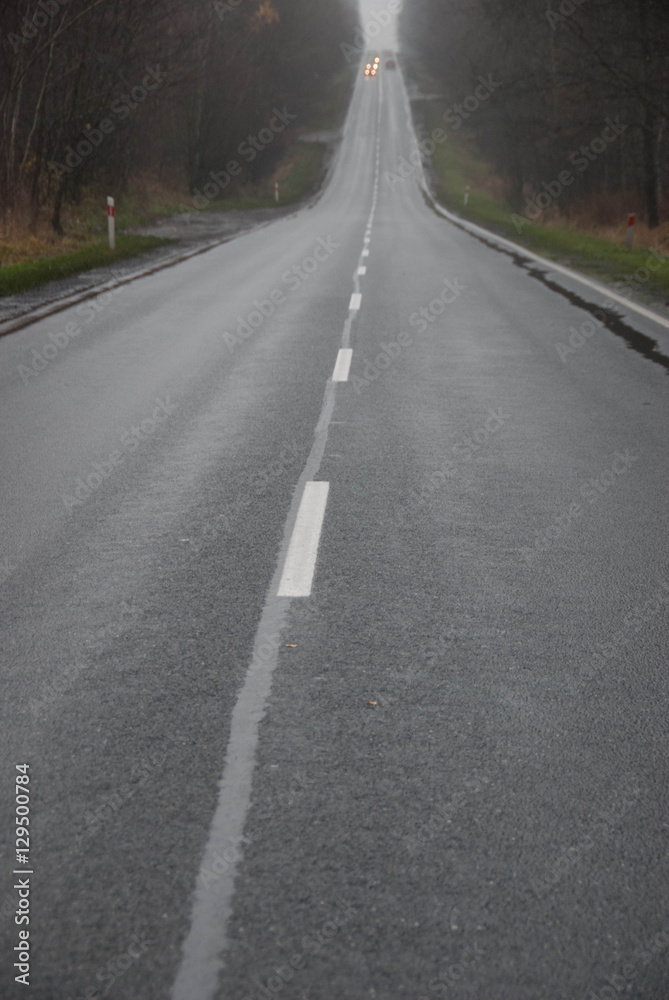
[[191, 232]]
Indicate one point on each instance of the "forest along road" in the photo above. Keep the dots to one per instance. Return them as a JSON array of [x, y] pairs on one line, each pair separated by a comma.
[[335, 614]]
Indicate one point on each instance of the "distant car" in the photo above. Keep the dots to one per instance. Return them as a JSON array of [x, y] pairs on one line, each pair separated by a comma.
[[371, 68], [391, 64]]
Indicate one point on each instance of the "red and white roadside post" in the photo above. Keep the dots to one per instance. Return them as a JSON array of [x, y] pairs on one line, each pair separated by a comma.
[[466, 194], [276, 191], [629, 239], [111, 223]]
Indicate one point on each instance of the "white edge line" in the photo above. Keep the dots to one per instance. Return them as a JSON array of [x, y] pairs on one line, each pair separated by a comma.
[[300, 564], [356, 301], [342, 365], [596, 286]]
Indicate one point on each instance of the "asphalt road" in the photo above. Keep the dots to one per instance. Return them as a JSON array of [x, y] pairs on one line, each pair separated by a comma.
[[441, 770]]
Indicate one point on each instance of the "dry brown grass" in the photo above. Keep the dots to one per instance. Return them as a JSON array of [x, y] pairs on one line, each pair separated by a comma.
[[651, 239], [22, 239], [21, 246], [605, 215]]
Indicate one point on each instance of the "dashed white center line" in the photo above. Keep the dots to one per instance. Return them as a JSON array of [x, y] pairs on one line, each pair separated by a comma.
[[362, 270], [203, 950], [300, 564], [342, 365]]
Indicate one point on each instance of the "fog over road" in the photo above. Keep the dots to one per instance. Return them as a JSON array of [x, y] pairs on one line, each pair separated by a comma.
[[335, 615]]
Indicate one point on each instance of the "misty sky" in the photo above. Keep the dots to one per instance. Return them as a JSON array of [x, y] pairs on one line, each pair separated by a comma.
[[387, 38]]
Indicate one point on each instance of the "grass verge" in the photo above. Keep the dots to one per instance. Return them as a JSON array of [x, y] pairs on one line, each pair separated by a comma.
[[27, 261], [297, 175], [455, 166], [29, 274], [302, 167]]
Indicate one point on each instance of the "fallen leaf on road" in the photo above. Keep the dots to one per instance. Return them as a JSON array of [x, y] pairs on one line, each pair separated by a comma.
[[372, 703]]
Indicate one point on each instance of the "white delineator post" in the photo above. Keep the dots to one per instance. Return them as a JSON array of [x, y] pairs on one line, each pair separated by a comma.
[[111, 223], [276, 191], [466, 194], [629, 239]]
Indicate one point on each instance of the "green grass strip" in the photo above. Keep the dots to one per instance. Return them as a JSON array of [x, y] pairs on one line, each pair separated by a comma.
[[22, 277], [455, 166]]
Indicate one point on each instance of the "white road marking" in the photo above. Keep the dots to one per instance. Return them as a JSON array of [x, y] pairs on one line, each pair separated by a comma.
[[356, 301], [367, 239], [365, 253], [300, 564], [362, 270], [206, 943], [605, 290], [551, 265], [342, 365]]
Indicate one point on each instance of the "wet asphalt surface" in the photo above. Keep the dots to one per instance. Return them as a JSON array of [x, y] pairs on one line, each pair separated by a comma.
[[459, 782]]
